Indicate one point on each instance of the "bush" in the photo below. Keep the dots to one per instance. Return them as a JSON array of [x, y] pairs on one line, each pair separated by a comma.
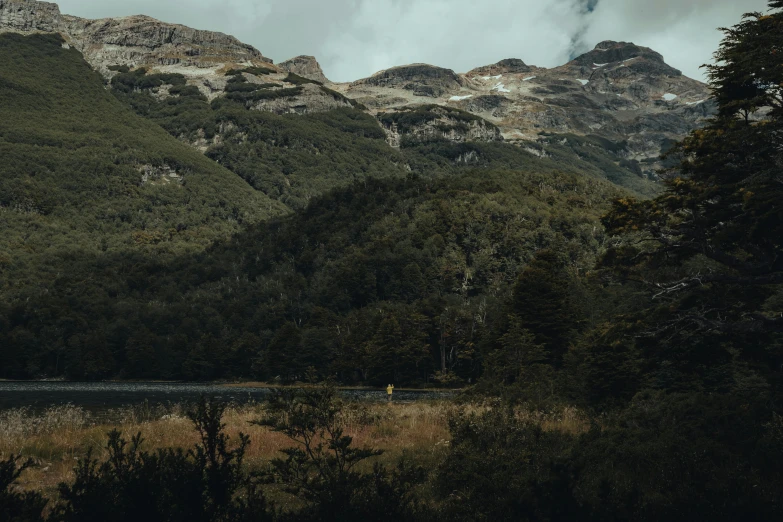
[[299, 80], [16, 506], [186, 90], [503, 468], [320, 469], [256, 71], [206, 483]]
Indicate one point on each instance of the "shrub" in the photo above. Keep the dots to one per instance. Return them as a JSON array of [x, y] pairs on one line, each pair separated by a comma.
[[299, 80], [206, 483], [321, 468], [16, 506], [256, 71], [186, 90]]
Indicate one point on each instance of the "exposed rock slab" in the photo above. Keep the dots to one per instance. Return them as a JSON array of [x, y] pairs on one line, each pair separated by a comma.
[[429, 123], [421, 79], [618, 91], [507, 66], [133, 41], [311, 98], [28, 16], [306, 67]]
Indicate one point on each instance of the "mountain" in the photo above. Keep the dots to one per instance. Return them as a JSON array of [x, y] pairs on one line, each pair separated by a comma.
[[83, 175], [619, 94], [176, 205], [136, 41], [619, 91]]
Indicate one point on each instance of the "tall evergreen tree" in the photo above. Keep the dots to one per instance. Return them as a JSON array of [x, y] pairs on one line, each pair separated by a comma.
[[710, 246], [542, 303]]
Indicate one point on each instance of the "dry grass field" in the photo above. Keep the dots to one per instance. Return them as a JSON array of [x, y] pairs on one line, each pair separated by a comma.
[[56, 438]]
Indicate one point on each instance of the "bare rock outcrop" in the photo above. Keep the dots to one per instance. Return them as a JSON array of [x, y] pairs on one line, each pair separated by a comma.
[[29, 16], [507, 66], [422, 79], [132, 41], [310, 98], [144, 41], [428, 123], [306, 67]]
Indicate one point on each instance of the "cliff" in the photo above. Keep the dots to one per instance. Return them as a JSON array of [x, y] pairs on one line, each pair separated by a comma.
[[306, 67], [132, 41]]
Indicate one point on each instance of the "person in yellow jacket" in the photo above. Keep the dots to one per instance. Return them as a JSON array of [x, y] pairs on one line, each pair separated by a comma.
[[389, 391]]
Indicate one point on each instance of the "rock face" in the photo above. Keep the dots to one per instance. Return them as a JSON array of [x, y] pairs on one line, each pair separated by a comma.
[[310, 98], [423, 124], [132, 41], [421, 79], [612, 52], [507, 66], [27, 16], [618, 91], [306, 67], [143, 41]]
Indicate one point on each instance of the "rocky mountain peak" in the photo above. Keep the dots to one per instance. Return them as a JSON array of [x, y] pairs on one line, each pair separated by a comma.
[[131, 40], [28, 16], [610, 53], [306, 67], [507, 66], [421, 78]]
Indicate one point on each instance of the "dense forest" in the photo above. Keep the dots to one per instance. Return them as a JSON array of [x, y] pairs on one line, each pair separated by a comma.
[[535, 280], [371, 241]]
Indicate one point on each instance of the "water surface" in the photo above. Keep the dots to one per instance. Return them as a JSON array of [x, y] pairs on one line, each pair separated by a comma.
[[97, 396]]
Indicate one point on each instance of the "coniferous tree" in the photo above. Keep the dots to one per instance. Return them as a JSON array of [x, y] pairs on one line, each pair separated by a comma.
[[709, 247], [543, 305], [522, 363]]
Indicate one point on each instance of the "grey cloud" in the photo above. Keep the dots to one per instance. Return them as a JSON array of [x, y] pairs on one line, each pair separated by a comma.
[[355, 38], [684, 31]]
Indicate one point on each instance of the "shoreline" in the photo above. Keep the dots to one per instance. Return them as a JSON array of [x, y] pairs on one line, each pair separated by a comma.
[[235, 384]]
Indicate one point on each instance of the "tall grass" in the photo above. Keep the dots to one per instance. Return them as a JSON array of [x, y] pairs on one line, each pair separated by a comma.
[[56, 437], [24, 422]]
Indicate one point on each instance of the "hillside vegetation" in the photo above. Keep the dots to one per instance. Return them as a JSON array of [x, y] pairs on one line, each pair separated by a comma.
[[72, 173], [534, 283], [392, 268], [291, 158], [381, 280]]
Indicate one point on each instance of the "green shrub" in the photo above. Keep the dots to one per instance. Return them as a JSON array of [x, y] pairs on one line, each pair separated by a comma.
[[15, 505], [208, 482], [186, 90], [256, 71], [299, 80]]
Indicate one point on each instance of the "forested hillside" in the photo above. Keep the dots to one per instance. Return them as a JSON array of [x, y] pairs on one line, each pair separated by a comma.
[[82, 176], [393, 265], [530, 281], [291, 158]]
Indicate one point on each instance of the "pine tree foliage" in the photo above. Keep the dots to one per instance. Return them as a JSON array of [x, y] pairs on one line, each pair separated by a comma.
[[709, 247]]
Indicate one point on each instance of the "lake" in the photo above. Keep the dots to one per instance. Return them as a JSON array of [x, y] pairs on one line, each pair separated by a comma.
[[96, 396]]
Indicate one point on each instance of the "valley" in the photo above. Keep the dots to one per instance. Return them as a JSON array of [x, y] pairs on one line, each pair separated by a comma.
[[571, 276]]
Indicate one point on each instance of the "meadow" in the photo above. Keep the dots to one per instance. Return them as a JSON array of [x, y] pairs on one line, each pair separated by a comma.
[[57, 437]]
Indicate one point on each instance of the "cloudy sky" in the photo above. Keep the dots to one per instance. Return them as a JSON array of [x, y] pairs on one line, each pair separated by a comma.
[[355, 38]]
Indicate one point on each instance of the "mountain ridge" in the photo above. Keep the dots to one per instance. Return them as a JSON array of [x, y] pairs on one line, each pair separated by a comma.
[[631, 96]]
